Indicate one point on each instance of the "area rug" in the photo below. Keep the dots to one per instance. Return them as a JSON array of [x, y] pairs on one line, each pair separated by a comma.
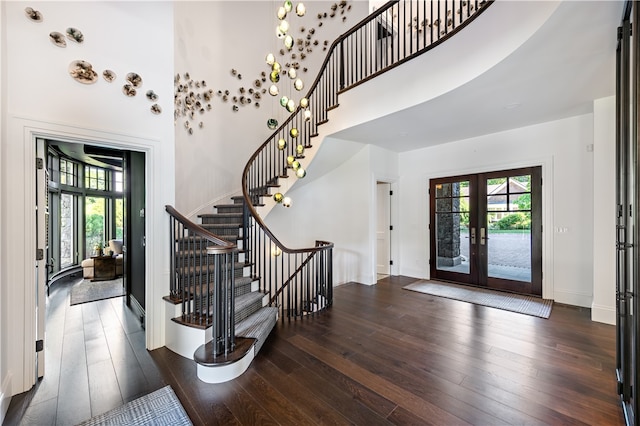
[[90, 291], [161, 407], [528, 305]]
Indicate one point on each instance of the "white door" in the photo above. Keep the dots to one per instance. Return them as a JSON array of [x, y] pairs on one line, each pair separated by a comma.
[[42, 247], [383, 230]]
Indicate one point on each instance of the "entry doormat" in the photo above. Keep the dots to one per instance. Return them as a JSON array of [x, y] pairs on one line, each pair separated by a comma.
[[90, 291], [161, 407], [522, 304]]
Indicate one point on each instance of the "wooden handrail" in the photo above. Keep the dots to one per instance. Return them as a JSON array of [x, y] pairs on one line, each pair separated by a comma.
[[324, 245], [197, 229], [480, 7], [365, 51], [201, 279]]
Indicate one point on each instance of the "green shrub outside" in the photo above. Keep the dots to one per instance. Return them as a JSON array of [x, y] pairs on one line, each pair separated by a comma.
[[513, 221]]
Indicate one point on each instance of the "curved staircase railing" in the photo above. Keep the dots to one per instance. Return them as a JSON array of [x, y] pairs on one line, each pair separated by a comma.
[[300, 281], [202, 280]]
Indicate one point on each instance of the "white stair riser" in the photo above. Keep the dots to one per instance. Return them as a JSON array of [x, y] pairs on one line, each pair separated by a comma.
[[182, 339], [224, 373]]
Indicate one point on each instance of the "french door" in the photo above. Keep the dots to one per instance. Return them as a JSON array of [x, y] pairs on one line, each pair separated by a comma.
[[486, 229], [628, 221]]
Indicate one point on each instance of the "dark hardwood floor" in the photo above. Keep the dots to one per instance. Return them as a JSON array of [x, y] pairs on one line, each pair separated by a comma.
[[95, 360], [380, 355], [384, 355]]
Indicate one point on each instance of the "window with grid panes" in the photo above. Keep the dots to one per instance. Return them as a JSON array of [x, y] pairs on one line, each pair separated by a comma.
[[95, 178], [68, 172]]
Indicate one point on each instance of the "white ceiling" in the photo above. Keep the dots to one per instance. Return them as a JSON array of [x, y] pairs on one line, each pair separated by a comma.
[[556, 74]]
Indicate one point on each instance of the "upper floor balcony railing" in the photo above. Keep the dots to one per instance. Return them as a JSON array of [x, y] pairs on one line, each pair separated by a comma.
[[300, 280]]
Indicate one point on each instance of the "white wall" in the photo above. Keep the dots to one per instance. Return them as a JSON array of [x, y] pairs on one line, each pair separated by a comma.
[[211, 39], [5, 380], [42, 99], [603, 308], [339, 207], [332, 208], [469, 54], [561, 148]]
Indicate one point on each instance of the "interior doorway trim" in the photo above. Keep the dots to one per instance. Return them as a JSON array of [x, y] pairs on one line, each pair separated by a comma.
[[547, 209], [19, 261], [393, 215]]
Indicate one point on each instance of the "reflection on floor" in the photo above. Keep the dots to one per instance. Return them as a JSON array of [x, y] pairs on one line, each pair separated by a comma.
[[95, 360], [506, 272], [382, 276]]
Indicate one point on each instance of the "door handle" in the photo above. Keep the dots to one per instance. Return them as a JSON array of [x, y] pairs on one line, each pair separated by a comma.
[[473, 236], [483, 237]]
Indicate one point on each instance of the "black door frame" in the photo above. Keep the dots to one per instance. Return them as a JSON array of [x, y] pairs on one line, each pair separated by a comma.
[[135, 239], [627, 203], [535, 286], [479, 232]]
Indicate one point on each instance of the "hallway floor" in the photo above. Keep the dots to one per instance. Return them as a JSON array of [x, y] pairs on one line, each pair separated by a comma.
[[380, 355], [95, 360]]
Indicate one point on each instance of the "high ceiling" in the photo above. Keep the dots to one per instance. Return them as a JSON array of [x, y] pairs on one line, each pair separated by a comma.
[[556, 74]]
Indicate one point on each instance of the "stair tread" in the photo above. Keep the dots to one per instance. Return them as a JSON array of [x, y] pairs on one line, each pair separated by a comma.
[[237, 282], [258, 325], [246, 300], [198, 240], [243, 280], [230, 205], [204, 354], [194, 251], [198, 268], [221, 214], [221, 225], [254, 323]]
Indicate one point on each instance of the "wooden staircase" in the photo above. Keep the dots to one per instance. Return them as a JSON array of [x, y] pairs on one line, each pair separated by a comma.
[[230, 276], [190, 316], [254, 319]]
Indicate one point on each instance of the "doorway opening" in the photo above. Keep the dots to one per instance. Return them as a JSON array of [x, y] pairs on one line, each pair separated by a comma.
[[383, 229], [90, 205], [486, 229]]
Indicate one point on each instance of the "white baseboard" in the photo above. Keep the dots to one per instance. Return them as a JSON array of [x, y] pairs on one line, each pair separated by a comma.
[[572, 298], [604, 314], [5, 397]]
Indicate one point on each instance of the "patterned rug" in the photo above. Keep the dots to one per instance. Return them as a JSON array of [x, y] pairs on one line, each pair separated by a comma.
[[90, 291], [528, 305], [161, 407]]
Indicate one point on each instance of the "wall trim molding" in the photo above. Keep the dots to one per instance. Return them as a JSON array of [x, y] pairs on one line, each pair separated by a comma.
[[5, 397], [604, 314], [394, 206], [572, 298], [24, 131]]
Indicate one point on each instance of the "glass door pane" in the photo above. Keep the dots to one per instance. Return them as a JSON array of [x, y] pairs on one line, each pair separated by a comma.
[[451, 251], [94, 224], [509, 228], [67, 229], [486, 229], [119, 216]]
